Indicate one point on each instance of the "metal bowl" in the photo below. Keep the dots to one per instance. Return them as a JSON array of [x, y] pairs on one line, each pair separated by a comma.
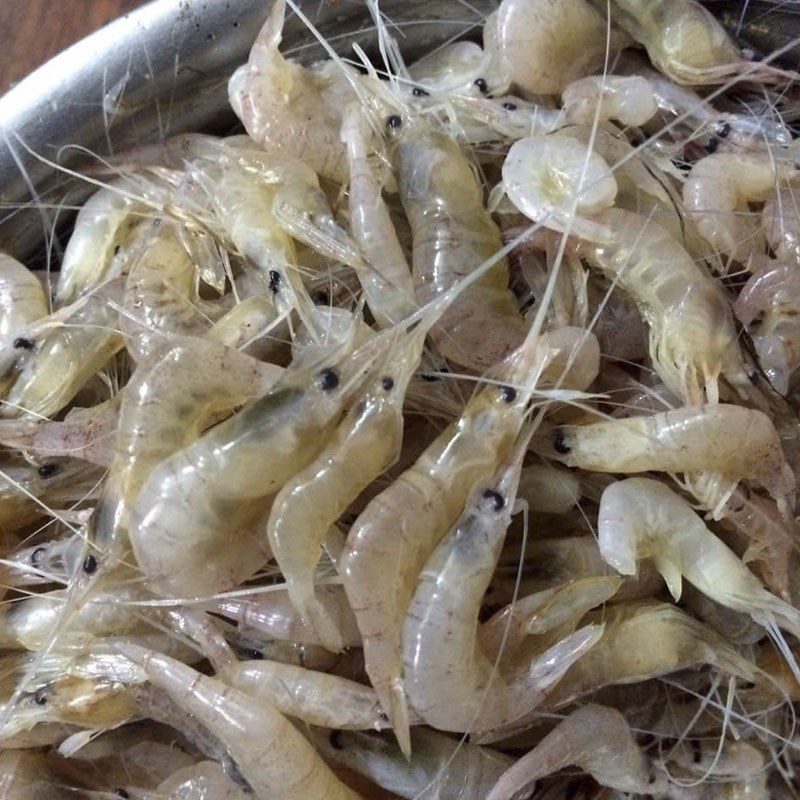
[[163, 68]]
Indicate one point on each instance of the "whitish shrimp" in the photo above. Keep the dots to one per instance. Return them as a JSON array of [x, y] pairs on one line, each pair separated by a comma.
[[539, 47], [455, 687], [201, 781], [453, 235], [194, 500], [595, 738], [641, 518], [684, 440], [271, 754], [366, 443], [22, 298], [557, 181], [314, 697], [549, 489], [288, 108], [442, 768], [505, 116], [780, 221], [628, 99], [716, 193]]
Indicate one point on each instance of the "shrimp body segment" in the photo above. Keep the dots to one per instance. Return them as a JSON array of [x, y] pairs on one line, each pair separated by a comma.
[[629, 99], [22, 299]]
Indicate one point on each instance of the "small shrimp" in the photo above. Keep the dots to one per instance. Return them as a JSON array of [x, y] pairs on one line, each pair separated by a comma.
[[595, 738], [271, 754], [314, 697], [288, 108], [684, 440], [509, 116], [245, 324], [201, 781], [541, 46], [641, 518], [548, 489], [557, 181], [22, 298], [453, 235], [442, 768], [780, 221], [628, 99], [455, 688], [716, 193]]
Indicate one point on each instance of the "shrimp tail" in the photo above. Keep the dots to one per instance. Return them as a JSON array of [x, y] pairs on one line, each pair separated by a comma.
[[317, 616], [549, 668], [398, 711]]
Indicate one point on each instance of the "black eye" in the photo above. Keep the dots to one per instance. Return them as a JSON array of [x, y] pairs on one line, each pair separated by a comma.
[[508, 394], [497, 499], [335, 738], [559, 444], [481, 84], [256, 655], [722, 129], [387, 383], [713, 145], [510, 106], [418, 91], [21, 343], [328, 380], [394, 122], [48, 470], [89, 565], [36, 556], [122, 793], [274, 281], [40, 698]]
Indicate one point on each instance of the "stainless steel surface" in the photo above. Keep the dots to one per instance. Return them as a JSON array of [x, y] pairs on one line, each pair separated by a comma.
[[162, 70]]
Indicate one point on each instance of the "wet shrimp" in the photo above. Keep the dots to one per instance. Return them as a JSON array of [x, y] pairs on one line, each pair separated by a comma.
[[628, 99], [204, 780], [780, 221], [22, 299], [271, 754]]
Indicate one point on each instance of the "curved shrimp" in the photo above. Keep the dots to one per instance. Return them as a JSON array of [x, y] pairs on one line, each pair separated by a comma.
[[780, 221], [453, 235], [455, 687], [595, 738], [540, 47], [314, 697], [641, 518], [628, 99], [684, 440], [199, 781], [271, 754], [716, 193]]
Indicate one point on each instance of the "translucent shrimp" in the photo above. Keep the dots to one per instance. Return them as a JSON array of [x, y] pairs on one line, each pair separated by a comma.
[[203, 781], [628, 99], [366, 443], [541, 46], [549, 489], [780, 221], [716, 193], [442, 768], [22, 298], [194, 500], [595, 738], [505, 116], [314, 697], [684, 440], [69, 348], [453, 235], [641, 518], [271, 754], [288, 108], [545, 176], [455, 687]]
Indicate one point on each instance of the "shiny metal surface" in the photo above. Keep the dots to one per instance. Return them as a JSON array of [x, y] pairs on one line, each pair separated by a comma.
[[162, 69]]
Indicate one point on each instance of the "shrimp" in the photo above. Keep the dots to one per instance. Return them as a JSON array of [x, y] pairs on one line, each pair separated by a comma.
[[595, 738], [441, 768], [271, 754], [509, 116], [780, 221], [557, 181], [684, 440], [540, 46], [288, 108], [454, 688], [314, 697], [549, 489], [628, 99], [201, 781], [716, 193], [641, 518], [453, 235], [22, 298], [365, 444]]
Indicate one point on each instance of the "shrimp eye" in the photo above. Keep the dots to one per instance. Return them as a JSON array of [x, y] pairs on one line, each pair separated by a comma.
[[122, 793], [256, 655], [559, 444], [48, 470], [40, 698], [394, 122], [387, 383], [89, 564], [481, 84], [508, 394], [36, 556], [510, 106], [722, 129], [321, 298], [498, 501], [418, 91], [335, 738], [274, 280], [21, 343], [328, 380], [713, 145]]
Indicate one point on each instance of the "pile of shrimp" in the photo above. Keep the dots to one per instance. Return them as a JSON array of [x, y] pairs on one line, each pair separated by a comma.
[[435, 436]]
